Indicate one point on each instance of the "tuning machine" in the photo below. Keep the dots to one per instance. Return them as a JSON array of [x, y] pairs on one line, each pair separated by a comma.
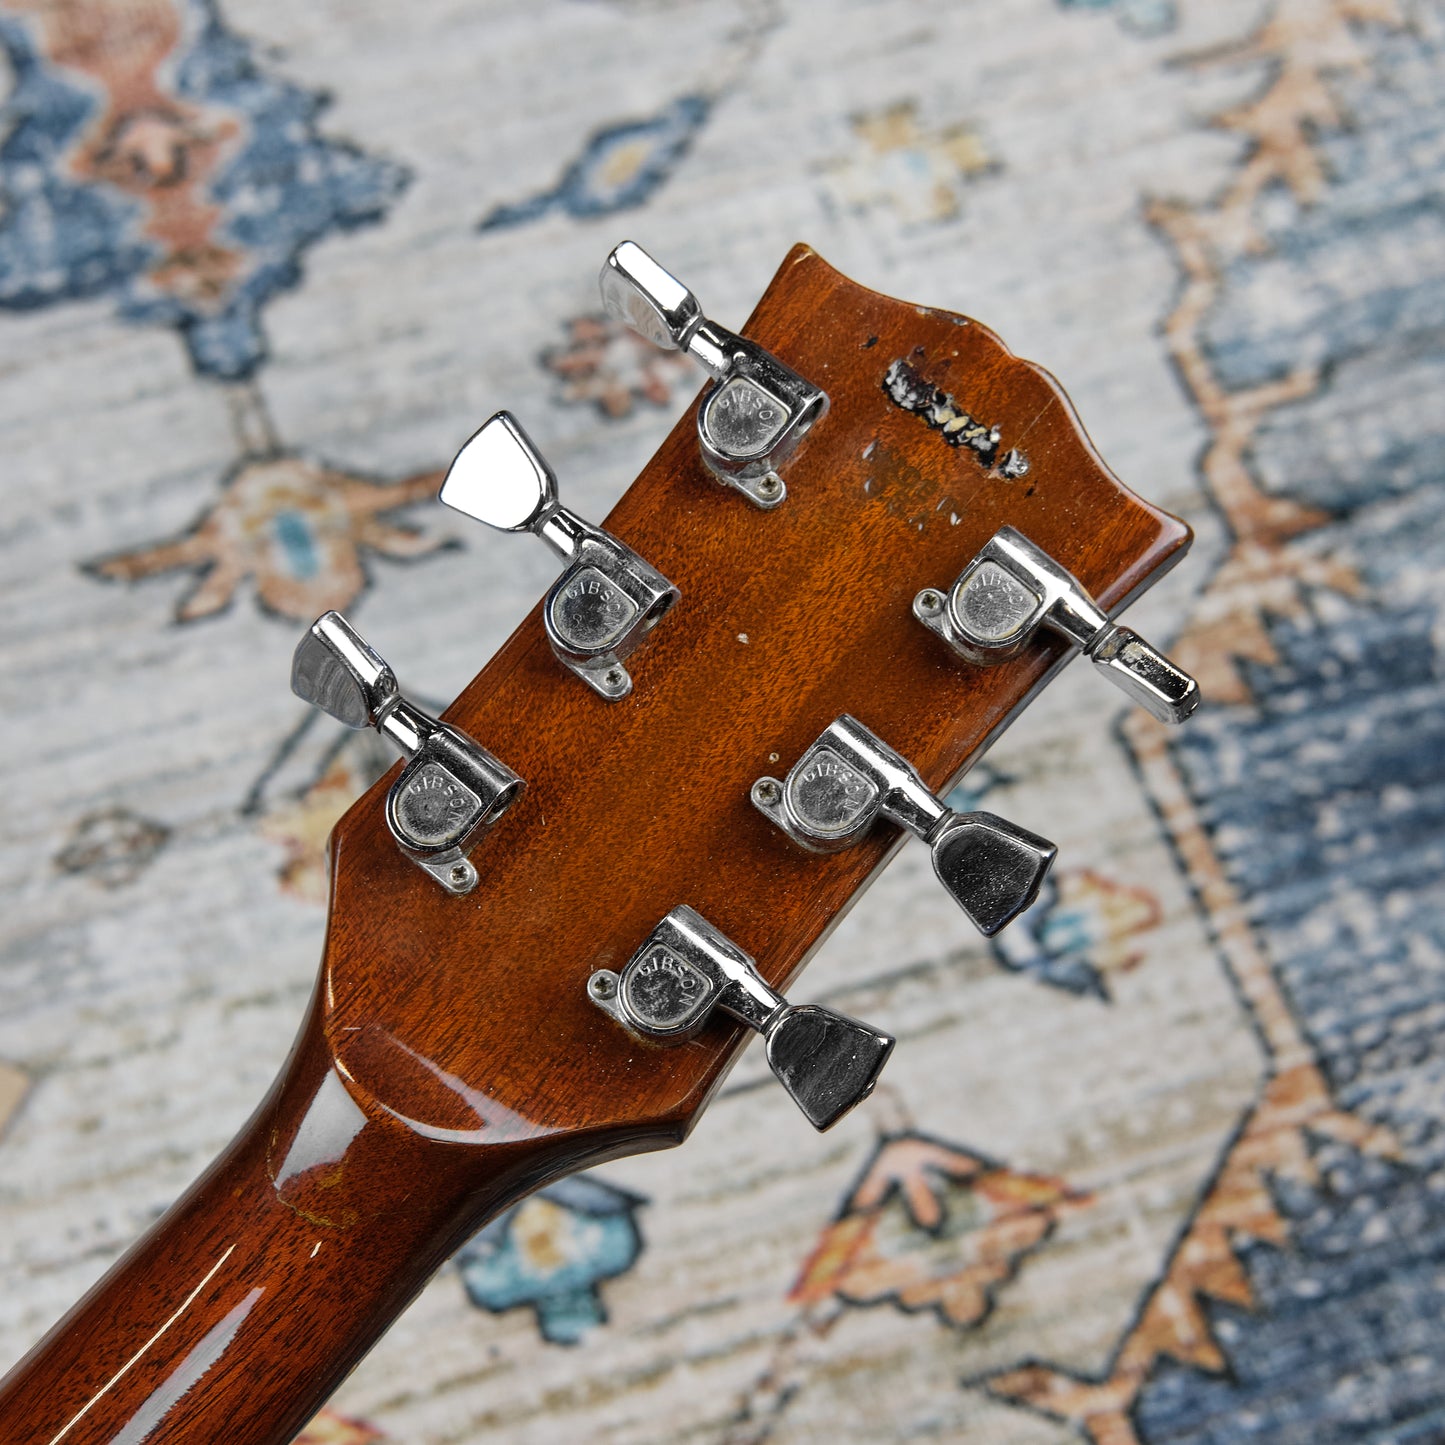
[[451, 790], [1013, 587], [607, 600], [750, 422], [686, 969], [849, 778]]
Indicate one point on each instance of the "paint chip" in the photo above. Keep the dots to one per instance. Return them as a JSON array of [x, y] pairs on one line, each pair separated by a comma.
[[908, 389]]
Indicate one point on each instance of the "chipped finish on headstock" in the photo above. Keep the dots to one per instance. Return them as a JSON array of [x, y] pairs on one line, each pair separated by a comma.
[[452, 1061], [636, 808]]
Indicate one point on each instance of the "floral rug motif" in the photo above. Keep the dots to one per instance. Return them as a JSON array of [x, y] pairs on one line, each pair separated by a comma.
[[1162, 1165]]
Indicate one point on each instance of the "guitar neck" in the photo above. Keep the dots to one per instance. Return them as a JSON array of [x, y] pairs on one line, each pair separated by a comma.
[[235, 1317], [484, 1026]]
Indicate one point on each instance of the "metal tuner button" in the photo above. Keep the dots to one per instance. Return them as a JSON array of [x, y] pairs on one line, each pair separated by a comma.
[[849, 779]]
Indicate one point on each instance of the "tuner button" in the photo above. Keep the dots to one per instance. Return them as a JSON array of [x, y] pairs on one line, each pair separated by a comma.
[[849, 778], [990, 868], [451, 790], [687, 969], [607, 599], [1013, 587], [648, 298], [335, 670], [827, 1061], [1160, 688], [752, 420], [501, 479]]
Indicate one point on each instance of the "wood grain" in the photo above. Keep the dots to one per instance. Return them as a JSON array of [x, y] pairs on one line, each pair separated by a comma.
[[451, 1061]]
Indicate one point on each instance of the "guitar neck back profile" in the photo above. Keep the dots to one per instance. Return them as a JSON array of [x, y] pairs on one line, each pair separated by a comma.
[[460, 1049]]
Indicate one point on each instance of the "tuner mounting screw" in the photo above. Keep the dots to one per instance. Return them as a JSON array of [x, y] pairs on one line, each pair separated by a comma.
[[767, 791], [603, 984], [930, 601]]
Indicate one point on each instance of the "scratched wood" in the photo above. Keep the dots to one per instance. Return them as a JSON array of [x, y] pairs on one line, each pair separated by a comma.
[[474, 1066]]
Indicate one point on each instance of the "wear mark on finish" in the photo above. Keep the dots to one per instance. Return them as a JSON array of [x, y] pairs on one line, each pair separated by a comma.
[[907, 389]]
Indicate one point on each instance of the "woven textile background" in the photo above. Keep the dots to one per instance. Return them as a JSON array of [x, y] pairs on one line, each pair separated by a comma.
[[1164, 1164]]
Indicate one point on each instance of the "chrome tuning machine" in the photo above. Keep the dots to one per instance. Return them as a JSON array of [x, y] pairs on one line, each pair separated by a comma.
[[750, 422], [1013, 587], [451, 790], [607, 600], [827, 1061], [850, 778]]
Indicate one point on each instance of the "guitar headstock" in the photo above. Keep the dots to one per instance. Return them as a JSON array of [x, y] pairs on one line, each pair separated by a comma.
[[858, 578]]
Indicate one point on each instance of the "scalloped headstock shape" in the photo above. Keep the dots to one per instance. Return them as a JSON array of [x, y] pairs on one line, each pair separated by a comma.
[[467, 1020]]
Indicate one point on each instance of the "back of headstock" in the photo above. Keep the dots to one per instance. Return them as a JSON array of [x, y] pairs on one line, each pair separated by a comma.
[[469, 1017], [491, 899]]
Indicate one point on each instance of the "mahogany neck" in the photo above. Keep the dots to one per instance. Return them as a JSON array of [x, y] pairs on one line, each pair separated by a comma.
[[454, 1058], [236, 1316]]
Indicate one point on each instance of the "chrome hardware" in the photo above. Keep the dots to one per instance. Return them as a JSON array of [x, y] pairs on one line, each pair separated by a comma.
[[1014, 587], [450, 792], [751, 421], [849, 778], [827, 1061], [607, 600]]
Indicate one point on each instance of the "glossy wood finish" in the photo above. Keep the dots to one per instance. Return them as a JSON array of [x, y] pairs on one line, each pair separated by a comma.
[[452, 1060]]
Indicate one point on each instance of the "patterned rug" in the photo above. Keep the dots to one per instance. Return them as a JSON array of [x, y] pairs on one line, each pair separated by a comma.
[[1167, 1162]]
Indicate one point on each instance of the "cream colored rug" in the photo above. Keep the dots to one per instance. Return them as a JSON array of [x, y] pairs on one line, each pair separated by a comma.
[[1164, 1165]]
